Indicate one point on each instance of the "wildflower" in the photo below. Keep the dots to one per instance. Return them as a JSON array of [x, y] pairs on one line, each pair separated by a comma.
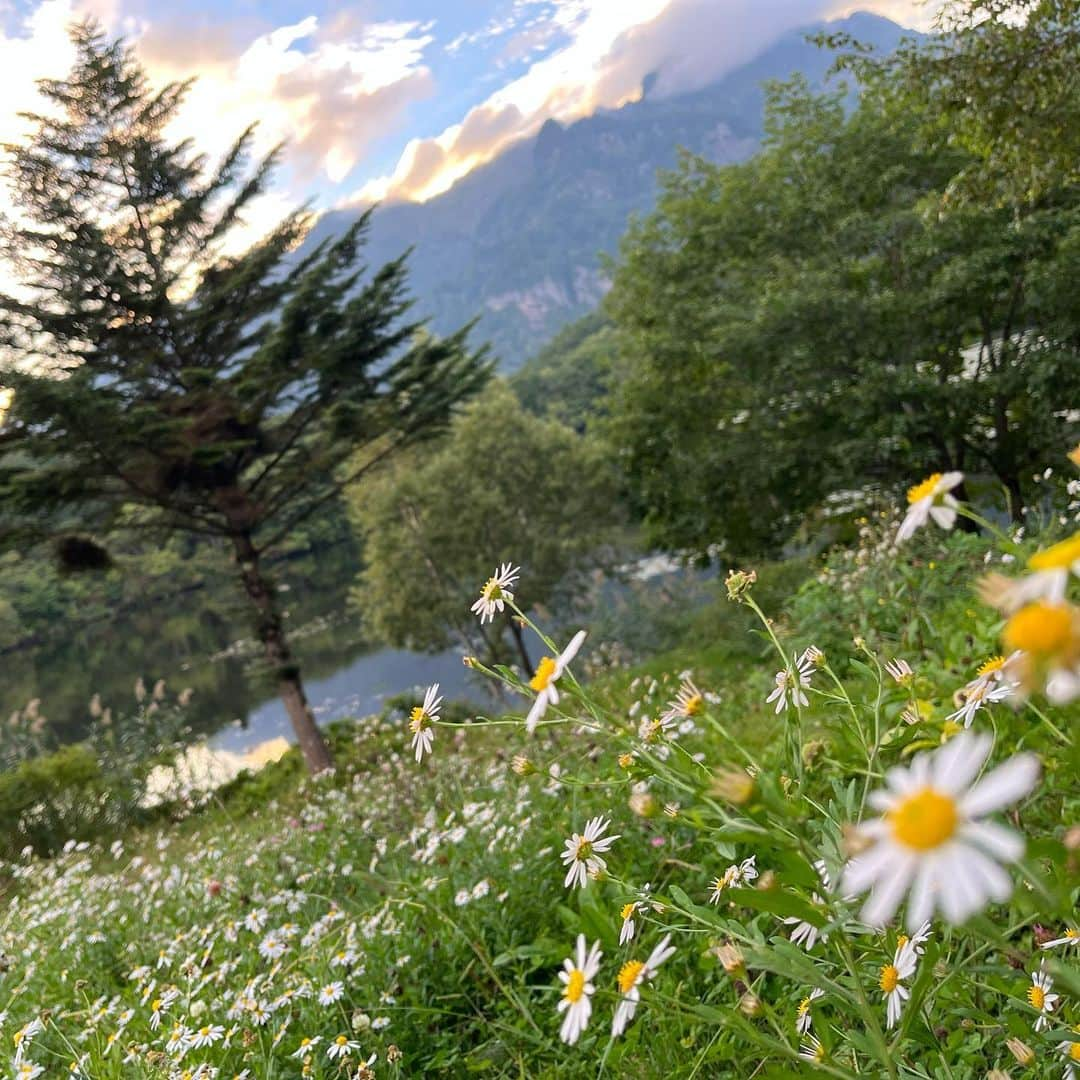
[[331, 992], [341, 1047], [901, 671], [917, 939], [1071, 1051], [305, 1047], [583, 852], [27, 1070], [24, 1036], [207, 1036], [802, 1014], [496, 592], [812, 1050], [631, 975], [930, 839], [931, 500], [576, 976], [790, 683], [990, 685], [420, 720], [1049, 637], [522, 765], [1050, 571], [626, 930], [688, 702], [733, 876], [1070, 937], [1041, 999], [272, 947], [806, 933], [548, 672], [891, 982]]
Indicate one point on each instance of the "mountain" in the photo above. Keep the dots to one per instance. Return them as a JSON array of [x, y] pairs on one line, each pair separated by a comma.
[[518, 241]]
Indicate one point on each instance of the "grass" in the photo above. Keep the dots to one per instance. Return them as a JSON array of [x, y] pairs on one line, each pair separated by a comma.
[[434, 893]]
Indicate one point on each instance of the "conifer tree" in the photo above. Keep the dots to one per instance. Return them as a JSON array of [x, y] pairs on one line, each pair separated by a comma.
[[158, 383]]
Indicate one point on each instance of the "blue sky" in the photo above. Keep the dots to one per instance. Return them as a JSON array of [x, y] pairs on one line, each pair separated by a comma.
[[395, 99]]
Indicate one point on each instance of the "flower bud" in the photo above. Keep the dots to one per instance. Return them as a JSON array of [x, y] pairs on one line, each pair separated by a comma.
[[733, 785], [750, 1004], [1021, 1051], [522, 765], [739, 583], [643, 803]]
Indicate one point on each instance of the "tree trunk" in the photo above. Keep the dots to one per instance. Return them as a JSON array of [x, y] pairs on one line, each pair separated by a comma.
[[519, 641], [271, 633]]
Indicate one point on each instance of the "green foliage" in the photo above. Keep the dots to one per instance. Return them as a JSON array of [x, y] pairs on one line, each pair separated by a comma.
[[806, 322], [1001, 76], [503, 481], [570, 379]]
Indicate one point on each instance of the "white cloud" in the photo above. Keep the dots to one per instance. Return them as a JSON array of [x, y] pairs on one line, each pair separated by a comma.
[[613, 45]]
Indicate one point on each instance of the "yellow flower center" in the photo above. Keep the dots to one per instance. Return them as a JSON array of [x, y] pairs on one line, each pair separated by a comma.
[[575, 987], [1041, 629], [341, 1040], [1036, 996], [418, 719], [155, 1005], [628, 975], [901, 940], [627, 911], [693, 705], [1074, 1051], [492, 590], [584, 850], [544, 670], [924, 820], [804, 1006], [204, 1031], [921, 491], [890, 977], [995, 663], [1059, 557], [305, 1041]]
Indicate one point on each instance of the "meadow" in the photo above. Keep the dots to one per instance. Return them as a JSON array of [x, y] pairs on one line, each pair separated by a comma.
[[833, 832]]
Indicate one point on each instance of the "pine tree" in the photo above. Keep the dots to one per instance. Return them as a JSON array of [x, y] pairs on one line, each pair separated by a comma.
[[159, 384]]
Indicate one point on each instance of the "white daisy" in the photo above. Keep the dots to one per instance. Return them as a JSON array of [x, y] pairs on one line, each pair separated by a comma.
[[805, 933], [891, 982], [990, 685], [812, 1050], [900, 670], [1048, 579], [688, 703], [790, 683], [931, 500], [931, 840], [1070, 937], [420, 720], [496, 594], [306, 1046], [1041, 999], [1070, 1049], [341, 1047], [626, 930], [734, 875], [631, 975], [577, 976], [548, 672], [207, 1036], [582, 856], [803, 1019], [331, 992]]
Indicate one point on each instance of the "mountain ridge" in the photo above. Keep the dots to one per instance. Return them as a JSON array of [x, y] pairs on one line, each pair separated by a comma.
[[517, 241]]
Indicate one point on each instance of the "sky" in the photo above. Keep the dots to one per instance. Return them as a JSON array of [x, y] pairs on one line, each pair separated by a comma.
[[397, 99]]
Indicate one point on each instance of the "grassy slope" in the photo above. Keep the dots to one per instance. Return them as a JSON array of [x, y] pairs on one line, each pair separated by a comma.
[[443, 879]]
